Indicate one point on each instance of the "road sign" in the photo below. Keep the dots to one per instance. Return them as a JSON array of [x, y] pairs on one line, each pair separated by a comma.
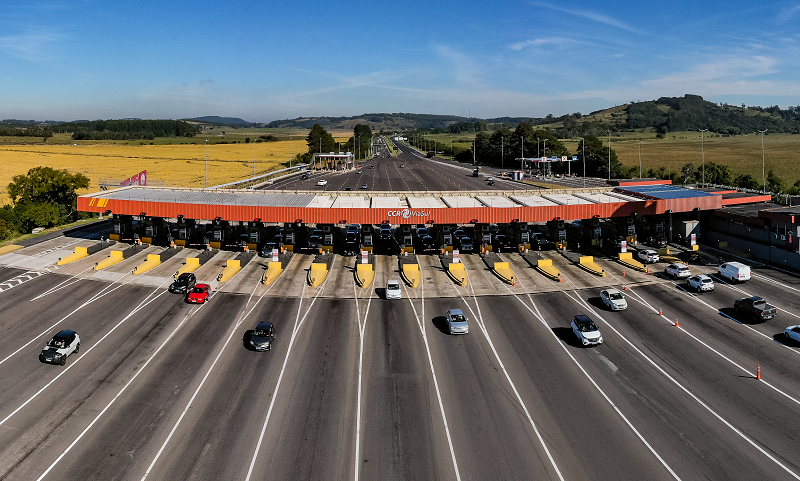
[[623, 246], [563, 158], [364, 257], [274, 255], [456, 257], [694, 239]]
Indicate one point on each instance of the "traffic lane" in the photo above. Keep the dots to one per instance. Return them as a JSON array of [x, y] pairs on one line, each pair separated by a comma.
[[736, 341], [402, 432], [125, 438], [694, 442], [111, 353], [311, 433], [220, 432], [491, 435], [782, 293], [585, 435], [8, 272]]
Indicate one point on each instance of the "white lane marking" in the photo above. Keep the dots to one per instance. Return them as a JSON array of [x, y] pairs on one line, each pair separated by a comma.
[[774, 281], [95, 297], [21, 279], [141, 306], [297, 323], [361, 329], [538, 315], [242, 318], [485, 332], [578, 300], [63, 284], [421, 324]]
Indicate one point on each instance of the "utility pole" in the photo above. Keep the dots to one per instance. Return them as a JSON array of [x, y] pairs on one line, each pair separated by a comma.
[[609, 154], [640, 162], [583, 148], [702, 153], [763, 176], [501, 151]]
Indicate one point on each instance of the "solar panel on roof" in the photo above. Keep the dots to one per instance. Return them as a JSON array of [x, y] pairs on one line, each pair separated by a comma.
[[660, 191]]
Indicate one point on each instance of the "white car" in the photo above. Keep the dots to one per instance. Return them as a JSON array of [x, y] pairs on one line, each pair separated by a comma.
[[648, 256], [792, 332], [586, 330], [613, 299], [322, 182], [701, 283], [677, 271], [393, 290], [60, 347]]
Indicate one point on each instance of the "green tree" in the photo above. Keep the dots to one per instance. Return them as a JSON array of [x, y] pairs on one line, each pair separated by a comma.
[[6, 229], [360, 141], [40, 215], [746, 181], [319, 140], [689, 172], [774, 183], [597, 158], [45, 185], [718, 174]]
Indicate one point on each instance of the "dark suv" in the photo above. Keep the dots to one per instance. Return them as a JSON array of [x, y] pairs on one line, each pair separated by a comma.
[[183, 283], [262, 337]]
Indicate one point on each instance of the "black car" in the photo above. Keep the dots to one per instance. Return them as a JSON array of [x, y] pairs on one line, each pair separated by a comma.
[[348, 188], [262, 337], [304, 176], [658, 242], [690, 256], [183, 283]]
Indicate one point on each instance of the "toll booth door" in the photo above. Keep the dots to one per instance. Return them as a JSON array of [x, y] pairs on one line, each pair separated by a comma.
[[149, 231], [524, 237], [447, 239], [218, 236], [183, 233], [290, 238], [328, 239], [254, 237], [368, 240], [408, 240]]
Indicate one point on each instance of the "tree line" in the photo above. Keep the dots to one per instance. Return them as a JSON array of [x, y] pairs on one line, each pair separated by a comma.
[[127, 129]]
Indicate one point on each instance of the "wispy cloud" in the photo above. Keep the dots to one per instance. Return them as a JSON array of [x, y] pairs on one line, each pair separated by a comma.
[[33, 47], [465, 69], [550, 41], [589, 15], [788, 13]]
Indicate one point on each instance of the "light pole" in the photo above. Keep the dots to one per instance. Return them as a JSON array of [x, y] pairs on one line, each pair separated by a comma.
[[640, 159], [609, 154], [290, 151], [206, 163], [583, 149], [763, 177], [703, 154], [501, 152], [544, 149]]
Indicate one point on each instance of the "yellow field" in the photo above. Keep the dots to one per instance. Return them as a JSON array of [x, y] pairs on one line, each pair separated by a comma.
[[176, 165]]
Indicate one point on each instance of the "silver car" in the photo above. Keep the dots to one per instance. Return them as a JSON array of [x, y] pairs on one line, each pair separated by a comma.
[[457, 322], [701, 283], [613, 299], [393, 290]]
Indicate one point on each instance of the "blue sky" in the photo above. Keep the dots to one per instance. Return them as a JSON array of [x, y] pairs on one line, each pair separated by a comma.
[[261, 61]]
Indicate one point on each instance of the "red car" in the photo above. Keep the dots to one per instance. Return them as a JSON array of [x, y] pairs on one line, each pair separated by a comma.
[[199, 293]]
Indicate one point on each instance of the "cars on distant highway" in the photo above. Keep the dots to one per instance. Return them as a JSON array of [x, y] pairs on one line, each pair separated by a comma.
[[199, 294], [677, 271], [792, 333], [457, 322], [183, 283], [648, 256], [364, 186], [393, 290], [262, 337], [613, 299], [58, 349], [701, 283], [586, 330], [348, 188], [322, 182]]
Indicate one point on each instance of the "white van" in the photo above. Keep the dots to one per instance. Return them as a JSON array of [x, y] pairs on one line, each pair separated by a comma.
[[734, 271]]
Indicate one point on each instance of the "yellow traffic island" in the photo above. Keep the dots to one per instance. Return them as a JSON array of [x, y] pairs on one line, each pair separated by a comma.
[[80, 253], [411, 275], [458, 273], [9, 249], [504, 272], [191, 265], [153, 260], [364, 274], [588, 264], [626, 259], [230, 270], [546, 267], [317, 274], [114, 257], [274, 270]]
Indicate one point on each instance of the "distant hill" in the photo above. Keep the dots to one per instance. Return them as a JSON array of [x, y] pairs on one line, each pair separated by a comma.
[[216, 120]]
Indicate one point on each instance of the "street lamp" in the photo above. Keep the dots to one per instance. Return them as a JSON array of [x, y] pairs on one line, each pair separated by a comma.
[[609, 154], [501, 151], [583, 150], [703, 154], [206, 163], [640, 159], [763, 177], [544, 148]]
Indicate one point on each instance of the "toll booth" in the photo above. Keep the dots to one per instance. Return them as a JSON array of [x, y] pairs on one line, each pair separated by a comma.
[[329, 237], [275, 242], [352, 240], [593, 231], [290, 236], [185, 231], [445, 237], [520, 234], [405, 236], [220, 233], [556, 232], [255, 234], [483, 236], [368, 237], [154, 230], [122, 228]]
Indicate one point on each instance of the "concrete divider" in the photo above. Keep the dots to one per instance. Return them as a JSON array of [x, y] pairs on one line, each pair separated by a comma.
[[364, 274], [504, 272], [274, 270], [80, 253], [458, 273], [152, 261], [191, 265], [317, 274], [230, 270], [588, 264], [215, 245], [114, 257], [626, 259], [546, 267], [411, 275]]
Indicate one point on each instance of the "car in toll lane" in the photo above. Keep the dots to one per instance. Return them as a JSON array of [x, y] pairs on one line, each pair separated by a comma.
[[457, 322], [586, 331], [322, 182], [648, 256], [58, 349], [183, 283], [393, 290], [613, 299], [677, 271], [199, 294], [262, 337], [792, 333], [701, 283]]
